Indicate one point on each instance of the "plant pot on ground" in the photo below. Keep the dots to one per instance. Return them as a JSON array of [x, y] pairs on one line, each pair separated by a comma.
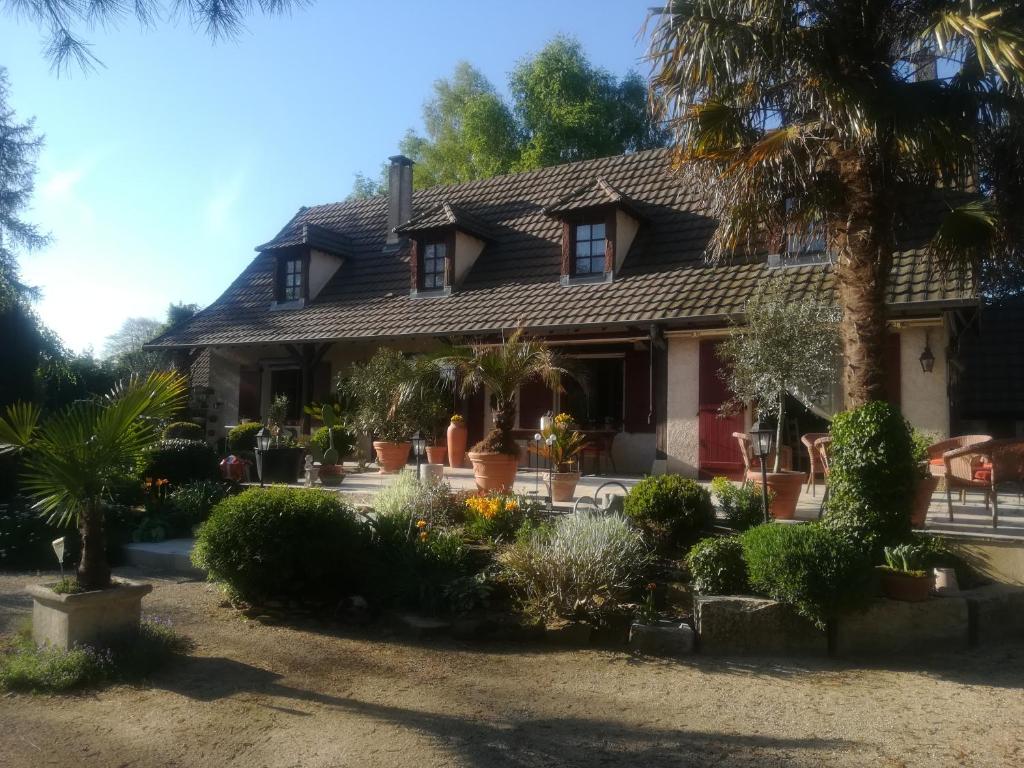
[[331, 475], [563, 485], [560, 446], [331, 471], [922, 500], [905, 576], [494, 471], [784, 491], [282, 465], [457, 436], [391, 457], [95, 617], [437, 454]]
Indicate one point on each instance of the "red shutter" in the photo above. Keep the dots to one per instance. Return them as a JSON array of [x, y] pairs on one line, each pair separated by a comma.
[[893, 369], [637, 393]]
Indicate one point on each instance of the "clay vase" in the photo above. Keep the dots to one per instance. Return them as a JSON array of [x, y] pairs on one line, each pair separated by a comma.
[[457, 435], [391, 457], [436, 454], [922, 500], [494, 471], [563, 485], [786, 488]]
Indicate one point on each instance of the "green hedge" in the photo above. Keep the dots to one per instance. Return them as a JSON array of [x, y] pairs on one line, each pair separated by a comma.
[[181, 461], [741, 505], [671, 510], [717, 566], [872, 476], [816, 570], [183, 430], [284, 544], [243, 437]]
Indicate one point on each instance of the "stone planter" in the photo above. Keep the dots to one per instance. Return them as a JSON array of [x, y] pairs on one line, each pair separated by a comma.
[[391, 457], [457, 436], [922, 500], [283, 465], [494, 471], [663, 638], [90, 618], [739, 625], [907, 587], [786, 486], [437, 454], [331, 475], [563, 485]]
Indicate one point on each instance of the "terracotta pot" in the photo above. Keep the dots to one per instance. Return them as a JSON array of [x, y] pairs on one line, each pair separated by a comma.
[[922, 500], [494, 471], [897, 585], [436, 454], [457, 435], [391, 456], [563, 485], [331, 474], [786, 487]]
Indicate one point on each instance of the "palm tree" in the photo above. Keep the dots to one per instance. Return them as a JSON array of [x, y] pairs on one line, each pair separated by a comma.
[[72, 458], [821, 119]]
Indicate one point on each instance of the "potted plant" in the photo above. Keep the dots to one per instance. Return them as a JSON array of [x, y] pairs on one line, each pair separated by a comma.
[[905, 576], [785, 348], [560, 445], [457, 437], [283, 460], [331, 471], [381, 411], [652, 635], [926, 481], [70, 463]]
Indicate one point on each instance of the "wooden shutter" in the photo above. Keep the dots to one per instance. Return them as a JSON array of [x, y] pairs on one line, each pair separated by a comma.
[[637, 392]]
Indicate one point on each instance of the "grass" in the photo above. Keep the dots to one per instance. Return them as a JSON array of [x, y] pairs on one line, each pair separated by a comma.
[[67, 586], [25, 667]]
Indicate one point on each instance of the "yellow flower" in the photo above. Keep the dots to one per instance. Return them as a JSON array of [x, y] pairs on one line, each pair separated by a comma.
[[423, 535], [421, 524], [457, 418]]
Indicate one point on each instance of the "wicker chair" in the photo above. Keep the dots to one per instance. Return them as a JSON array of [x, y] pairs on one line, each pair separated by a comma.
[[984, 467], [821, 448], [752, 462], [813, 458], [936, 452]]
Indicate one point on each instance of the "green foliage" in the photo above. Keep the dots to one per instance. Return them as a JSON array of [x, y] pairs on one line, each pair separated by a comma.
[[184, 430], [243, 436], [496, 516], [284, 543], [741, 504], [581, 566], [337, 439], [671, 510], [817, 571], [908, 558], [376, 386], [67, 586], [717, 566], [192, 503], [872, 476], [181, 461]]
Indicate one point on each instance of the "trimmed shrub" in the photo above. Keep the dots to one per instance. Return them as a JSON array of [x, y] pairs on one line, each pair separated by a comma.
[[671, 510], [243, 436], [717, 566], [579, 567], [816, 570], [184, 430], [872, 476], [181, 461], [284, 544], [344, 443], [740, 504]]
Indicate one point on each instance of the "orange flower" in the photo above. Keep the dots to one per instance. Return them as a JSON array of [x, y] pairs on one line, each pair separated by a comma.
[[421, 524], [423, 535]]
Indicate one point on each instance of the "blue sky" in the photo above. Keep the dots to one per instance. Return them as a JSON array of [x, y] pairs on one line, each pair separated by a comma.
[[164, 168]]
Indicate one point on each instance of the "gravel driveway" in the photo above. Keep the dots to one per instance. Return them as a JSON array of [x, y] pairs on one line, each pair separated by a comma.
[[261, 695]]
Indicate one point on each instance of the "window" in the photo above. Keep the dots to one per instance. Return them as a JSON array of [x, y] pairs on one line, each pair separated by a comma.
[[590, 249], [291, 280], [432, 266]]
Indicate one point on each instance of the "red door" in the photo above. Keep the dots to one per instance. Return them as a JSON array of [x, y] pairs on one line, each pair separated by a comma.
[[719, 453]]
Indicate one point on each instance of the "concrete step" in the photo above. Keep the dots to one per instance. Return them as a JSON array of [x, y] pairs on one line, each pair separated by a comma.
[[172, 556]]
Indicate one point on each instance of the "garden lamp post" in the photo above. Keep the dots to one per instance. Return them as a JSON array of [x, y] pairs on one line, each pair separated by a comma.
[[762, 439], [419, 446], [550, 441], [536, 473], [262, 444]]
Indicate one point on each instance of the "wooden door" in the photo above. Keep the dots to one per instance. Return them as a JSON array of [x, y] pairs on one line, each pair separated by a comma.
[[719, 453]]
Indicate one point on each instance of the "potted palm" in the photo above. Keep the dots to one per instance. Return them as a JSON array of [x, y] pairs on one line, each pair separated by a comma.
[[904, 575], [785, 349], [560, 446], [381, 412], [70, 462]]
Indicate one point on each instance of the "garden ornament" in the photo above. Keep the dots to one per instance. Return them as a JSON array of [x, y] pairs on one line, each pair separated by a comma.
[[58, 550], [608, 504]]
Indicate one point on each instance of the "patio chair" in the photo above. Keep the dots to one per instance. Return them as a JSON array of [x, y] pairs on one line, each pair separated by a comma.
[[984, 467], [814, 460], [821, 448], [752, 462], [936, 462]]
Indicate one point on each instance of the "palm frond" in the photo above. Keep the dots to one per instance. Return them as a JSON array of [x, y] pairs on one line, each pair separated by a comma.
[[965, 235], [18, 426]]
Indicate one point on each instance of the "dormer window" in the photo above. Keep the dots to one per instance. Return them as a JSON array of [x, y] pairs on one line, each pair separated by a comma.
[[432, 266], [292, 279], [590, 248]]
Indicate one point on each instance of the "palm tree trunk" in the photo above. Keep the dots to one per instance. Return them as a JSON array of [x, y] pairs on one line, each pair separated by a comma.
[[93, 568], [865, 243]]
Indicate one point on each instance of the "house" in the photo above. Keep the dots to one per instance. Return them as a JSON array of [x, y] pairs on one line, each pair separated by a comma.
[[604, 258]]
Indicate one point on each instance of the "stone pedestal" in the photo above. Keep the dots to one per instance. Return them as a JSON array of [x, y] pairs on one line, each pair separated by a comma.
[[997, 613], [86, 618], [732, 625], [431, 474], [663, 638]]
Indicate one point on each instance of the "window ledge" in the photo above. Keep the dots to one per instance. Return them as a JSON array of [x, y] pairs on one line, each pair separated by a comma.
[[431, 293], [813, 259], [283, 306], [569, 280]]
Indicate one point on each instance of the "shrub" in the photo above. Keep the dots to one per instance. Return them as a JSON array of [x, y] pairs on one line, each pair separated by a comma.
[[181, 461], [872, 476], [815, 569], [183, 430], [284, 543], [669, 509], [741, 504], [191, 503], [344, 443], [243, 436], [579, 567], [717, 566]]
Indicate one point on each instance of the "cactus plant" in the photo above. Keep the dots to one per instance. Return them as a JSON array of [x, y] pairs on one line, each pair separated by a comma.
[[329, 420]]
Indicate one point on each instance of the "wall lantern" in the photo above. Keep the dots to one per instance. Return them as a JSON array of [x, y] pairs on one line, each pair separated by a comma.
[[419, 447], [927, 359]]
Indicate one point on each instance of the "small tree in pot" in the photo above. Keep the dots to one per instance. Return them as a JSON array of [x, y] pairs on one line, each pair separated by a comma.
[[381, 412], [786, 348]]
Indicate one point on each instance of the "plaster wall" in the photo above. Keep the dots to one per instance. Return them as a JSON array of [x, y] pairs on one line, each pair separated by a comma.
[[923, 396], [681, 438]]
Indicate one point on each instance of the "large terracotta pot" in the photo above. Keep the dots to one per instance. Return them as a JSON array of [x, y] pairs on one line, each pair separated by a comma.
[[786, 489], [436, 454], [494, 471], [908, 587], [922, 500], [391, 457], [563, 485], [457, 435]]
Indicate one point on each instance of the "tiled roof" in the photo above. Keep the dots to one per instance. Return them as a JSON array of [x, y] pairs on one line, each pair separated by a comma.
[[515, 280], [598, 192], [446, 215], [310, 234]]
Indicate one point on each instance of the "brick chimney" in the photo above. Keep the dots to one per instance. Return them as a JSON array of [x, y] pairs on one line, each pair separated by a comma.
[[399, 195]]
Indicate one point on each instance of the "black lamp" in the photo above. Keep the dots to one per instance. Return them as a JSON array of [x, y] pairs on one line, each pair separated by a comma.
[[927, 359], [419, 447], [263, 438], [763, 440]]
